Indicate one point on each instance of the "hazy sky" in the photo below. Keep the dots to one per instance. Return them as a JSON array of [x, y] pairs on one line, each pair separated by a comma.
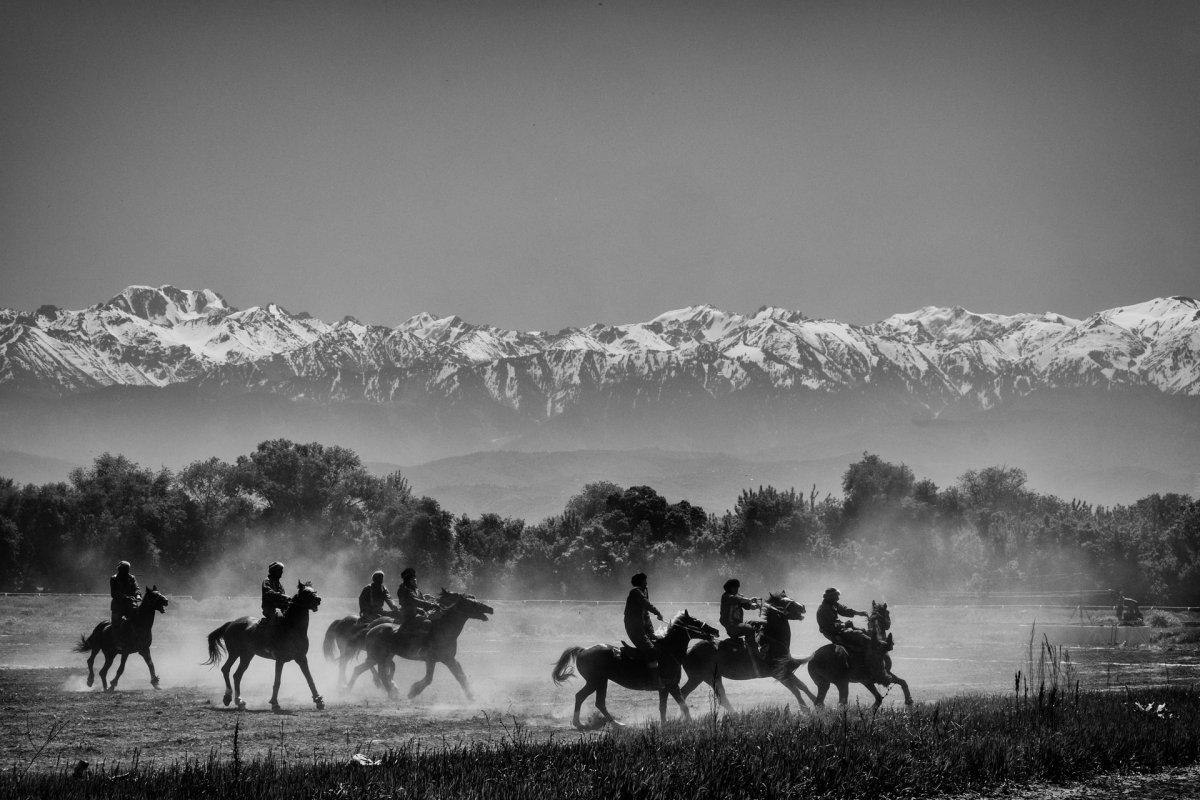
[[543, 164]]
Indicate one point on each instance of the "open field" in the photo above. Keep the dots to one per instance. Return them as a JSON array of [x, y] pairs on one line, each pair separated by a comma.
[[941, 651]]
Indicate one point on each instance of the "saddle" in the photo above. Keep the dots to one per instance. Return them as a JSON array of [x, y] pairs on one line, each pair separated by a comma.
[[627, 652]]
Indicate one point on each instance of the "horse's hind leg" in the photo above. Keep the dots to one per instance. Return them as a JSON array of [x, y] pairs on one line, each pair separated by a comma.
[[874, 693], [822, 689], [580, 696], [91, 667], [150, 664], [359, 670], [602, 702], [420, 685], [457, 671], [794, 685], [108, 659], [228, 698], [843, 687], [237, 679]]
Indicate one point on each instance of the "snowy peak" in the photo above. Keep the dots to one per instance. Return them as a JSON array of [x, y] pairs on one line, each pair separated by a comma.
[[148, 336], [168, 305]]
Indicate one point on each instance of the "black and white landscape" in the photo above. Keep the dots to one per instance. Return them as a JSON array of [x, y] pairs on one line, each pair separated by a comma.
[[703, 401]]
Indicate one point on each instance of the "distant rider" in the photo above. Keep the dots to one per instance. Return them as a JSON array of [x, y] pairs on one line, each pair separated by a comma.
[[274, 600], [732, 605], [373, 598], [638, 626], [126, 594]]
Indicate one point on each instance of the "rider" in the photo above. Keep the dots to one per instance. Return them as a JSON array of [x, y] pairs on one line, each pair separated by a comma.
[[413, 603], [126, 594], [373, 598], [732, 605], [844, 635], [638, 627], [274, 599]]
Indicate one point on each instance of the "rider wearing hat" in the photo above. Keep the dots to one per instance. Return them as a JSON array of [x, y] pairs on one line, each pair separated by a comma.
[[638, 626], [413, 603], [126, 594], [274, 598], [828, 612], [373, 598], [732, 605]]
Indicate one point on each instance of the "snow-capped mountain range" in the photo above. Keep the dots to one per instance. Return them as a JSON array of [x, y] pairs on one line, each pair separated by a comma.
[[158, 337]]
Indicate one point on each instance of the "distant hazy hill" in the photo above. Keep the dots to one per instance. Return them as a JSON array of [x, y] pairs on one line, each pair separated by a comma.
[[27, 468]]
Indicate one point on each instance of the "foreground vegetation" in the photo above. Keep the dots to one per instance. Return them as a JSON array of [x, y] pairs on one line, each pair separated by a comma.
[[961, 744], [986, 532]]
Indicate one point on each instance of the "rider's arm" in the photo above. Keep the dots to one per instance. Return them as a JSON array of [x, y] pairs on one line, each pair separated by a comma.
[[387, 599], [747, 603]]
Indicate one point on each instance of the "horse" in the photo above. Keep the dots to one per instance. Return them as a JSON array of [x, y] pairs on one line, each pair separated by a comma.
[[827, 666], [438, 643], [343, 639], [601, 663], [133, 637], [709, 662], [244, 638]]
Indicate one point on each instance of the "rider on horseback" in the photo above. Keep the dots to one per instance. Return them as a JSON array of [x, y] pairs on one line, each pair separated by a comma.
[[843, 634], [732, 605], [126, 594], [274, 599], [638, 627], [373, 598], [415, 606]]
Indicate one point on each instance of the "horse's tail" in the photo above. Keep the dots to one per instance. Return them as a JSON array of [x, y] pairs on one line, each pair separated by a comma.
[[90, 642], [563, 670], [215, 642], [330, 645]]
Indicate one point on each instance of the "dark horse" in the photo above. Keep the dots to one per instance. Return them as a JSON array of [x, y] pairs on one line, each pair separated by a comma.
[[827, 666], [133, 637], [344, 638], [601, 663], [436, 643], [709, 662], [245, 638]]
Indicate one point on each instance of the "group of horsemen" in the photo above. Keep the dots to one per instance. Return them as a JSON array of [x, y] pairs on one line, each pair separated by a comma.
[[414, 608]]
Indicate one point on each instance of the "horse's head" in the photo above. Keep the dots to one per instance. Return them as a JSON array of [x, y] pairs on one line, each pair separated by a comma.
[[779, 604], [306, 597], [881, 617], [466, 604], [154, 600], [695, 628]]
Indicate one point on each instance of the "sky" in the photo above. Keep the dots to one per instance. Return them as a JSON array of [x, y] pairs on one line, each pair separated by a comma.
[[540, 165]]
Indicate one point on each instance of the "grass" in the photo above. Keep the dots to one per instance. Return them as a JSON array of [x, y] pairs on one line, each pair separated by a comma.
[[960, 744]]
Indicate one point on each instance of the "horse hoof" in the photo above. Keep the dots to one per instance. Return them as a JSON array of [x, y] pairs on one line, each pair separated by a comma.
[[154, 683], [319, 702], [241, 704], [227, 699], [91, 681]]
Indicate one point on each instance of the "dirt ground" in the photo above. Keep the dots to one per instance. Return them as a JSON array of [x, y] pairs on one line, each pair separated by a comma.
[[48, 716]]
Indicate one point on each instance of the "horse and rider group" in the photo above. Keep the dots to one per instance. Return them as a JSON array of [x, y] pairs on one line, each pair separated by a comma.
[[421, 627]]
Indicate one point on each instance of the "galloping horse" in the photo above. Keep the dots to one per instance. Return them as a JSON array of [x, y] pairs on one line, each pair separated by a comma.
[[133, 638], [601, 663], [439, 643], [826, 666], [244, 638], [708, 662], [343, 639]]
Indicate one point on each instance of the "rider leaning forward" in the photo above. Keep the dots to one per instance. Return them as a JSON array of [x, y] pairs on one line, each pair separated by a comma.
[[125, 593], [274, 599], [373, 598], [638, 626], [732, 606], [413, 603]]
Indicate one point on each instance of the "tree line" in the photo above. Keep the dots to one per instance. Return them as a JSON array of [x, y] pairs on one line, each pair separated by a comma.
[[213, 525]]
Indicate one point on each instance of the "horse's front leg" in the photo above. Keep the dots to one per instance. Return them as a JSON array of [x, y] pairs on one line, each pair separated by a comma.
[[420, 685], [317, 699], [874, 693], [674, 692], [662, 706], [908, 701], [278, 679], [150, 665], [457, 671]]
